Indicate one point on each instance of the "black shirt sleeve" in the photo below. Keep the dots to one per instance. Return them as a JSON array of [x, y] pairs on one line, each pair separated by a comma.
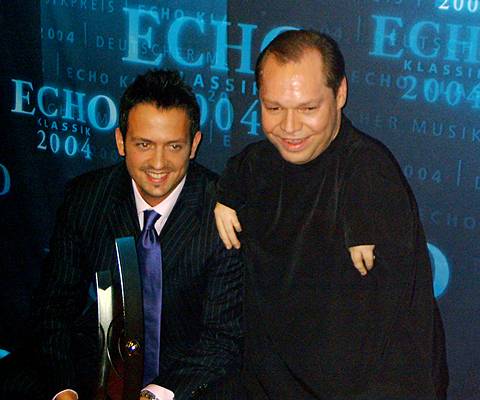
[[378, 206]]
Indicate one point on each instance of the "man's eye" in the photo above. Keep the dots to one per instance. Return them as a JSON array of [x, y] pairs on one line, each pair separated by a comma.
[[143, 145], [307, 109], [273, 108], [176, 146]]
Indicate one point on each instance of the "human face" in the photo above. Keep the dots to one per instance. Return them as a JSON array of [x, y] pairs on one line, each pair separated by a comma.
[[157, 149], [300, 113]]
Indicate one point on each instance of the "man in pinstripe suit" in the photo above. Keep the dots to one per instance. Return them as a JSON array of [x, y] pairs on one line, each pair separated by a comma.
[[158, 135]]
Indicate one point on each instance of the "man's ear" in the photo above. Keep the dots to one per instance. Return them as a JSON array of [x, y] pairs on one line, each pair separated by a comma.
[[342, 94], [195, 142], [120, 142]]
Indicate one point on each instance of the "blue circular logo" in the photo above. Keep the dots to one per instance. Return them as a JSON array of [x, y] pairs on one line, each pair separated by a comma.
[[441, 270]]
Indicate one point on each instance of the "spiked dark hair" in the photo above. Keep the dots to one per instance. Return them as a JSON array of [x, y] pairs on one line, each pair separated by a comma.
[[164, 89]]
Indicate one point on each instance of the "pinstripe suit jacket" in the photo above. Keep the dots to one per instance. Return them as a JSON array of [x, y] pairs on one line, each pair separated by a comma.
[[201, 316]]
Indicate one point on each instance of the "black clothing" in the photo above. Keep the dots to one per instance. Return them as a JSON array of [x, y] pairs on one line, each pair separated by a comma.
[[317, 329]]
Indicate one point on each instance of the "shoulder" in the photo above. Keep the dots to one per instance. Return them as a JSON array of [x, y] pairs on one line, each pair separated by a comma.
[[257, 150], [200, 172], [96, 184], [368, 160], [362, 151], [254, 157], [201, 176], [92, 179], [201, 184]]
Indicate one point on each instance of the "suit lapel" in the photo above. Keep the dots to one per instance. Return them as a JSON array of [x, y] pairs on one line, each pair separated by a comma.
[[183, 222], [123, 216]]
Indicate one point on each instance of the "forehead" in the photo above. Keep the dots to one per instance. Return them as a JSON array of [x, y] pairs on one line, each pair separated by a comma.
[[146, 118], [307, 74]]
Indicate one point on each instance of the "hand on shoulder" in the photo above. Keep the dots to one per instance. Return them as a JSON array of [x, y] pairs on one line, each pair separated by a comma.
[[227, 224]]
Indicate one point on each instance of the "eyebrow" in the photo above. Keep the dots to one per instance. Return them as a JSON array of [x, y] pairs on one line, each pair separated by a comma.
[[304, 104], [142, 139], [177, 141]]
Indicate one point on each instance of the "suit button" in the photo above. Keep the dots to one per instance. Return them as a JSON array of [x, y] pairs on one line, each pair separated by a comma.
[[132, 347]]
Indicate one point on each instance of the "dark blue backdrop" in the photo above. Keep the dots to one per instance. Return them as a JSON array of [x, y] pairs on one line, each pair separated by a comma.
[[414, 81]]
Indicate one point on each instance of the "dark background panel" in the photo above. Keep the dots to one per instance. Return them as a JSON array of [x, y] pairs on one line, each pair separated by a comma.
[[414, 83], [21, 185]]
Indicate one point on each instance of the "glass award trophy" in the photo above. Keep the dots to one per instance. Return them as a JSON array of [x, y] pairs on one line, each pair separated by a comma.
[[120, 324]]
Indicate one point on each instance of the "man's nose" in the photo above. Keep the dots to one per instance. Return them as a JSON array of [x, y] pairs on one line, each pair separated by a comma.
[[290, 122], [158, 159]]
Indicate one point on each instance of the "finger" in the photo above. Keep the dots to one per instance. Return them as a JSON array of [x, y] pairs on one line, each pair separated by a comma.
[[221, 228], [232, 236], [358, 263], [236, 224], [369, 259], [361, 268], [227, 223], [222, 233], [225, 238], [369, 256]]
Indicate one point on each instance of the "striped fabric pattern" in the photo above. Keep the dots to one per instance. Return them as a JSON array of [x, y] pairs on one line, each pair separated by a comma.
[[201, 319]]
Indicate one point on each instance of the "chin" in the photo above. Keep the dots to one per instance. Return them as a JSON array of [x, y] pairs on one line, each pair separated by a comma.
[[293, 158]]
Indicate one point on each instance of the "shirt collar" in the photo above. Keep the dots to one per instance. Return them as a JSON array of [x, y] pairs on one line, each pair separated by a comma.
[[164, 208]]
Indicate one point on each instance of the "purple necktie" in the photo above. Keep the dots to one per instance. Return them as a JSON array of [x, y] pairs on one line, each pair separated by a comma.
[[150, 264]]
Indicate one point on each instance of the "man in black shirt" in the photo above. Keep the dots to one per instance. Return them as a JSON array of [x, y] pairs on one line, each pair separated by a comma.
[[315, 191]]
